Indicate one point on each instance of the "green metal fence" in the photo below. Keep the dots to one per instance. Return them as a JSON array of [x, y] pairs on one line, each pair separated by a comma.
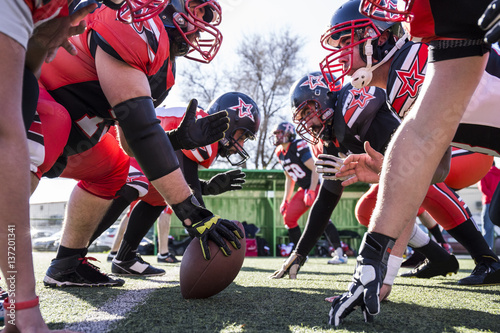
[[259, 203]]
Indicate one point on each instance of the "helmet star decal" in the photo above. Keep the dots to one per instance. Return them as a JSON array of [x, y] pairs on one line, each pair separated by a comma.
[[314, 81], [244, 110]]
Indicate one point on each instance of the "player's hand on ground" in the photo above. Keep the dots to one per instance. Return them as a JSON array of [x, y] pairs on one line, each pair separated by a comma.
[[204, 225], [283, 207], [290, 267], [309, 197], [384, 294], [362, 167], [328, 165], [193, 133], [363, 292], [227, 181], [490, 22]]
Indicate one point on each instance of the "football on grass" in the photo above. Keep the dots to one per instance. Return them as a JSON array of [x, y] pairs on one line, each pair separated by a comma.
[[200, 278]]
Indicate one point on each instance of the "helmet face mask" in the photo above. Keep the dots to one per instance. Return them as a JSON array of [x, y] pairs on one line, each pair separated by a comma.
[[244, 122], [140, 10], [283, 133], [311, 98], [309, 128], [341, 40], [195, 23], [391, 11], [376, 40]]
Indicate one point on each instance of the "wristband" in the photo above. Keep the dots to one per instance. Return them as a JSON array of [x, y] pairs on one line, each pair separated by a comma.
[[20, 305], [393, 265]]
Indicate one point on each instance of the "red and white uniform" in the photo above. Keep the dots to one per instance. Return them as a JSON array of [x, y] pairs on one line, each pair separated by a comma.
[[94, 157]]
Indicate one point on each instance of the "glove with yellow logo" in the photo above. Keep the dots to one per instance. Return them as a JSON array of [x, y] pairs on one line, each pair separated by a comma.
[[206, 226]]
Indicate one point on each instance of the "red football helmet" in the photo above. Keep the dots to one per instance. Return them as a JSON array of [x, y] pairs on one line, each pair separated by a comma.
[[192, 33], [392, 10], [140, 10], [349, 29]]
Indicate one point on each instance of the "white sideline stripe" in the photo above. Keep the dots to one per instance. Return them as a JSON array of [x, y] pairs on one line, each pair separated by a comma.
[[106, 317]]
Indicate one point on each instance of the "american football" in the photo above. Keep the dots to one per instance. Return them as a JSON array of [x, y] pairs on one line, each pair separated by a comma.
[[200, 278]]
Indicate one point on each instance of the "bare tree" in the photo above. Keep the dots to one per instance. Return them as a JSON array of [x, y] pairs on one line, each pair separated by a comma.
[[264, 68]]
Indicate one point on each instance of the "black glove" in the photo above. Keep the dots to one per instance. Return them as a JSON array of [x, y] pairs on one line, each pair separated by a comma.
[[489, 22], [206, 226], [368, 277], [193, 133], [223, 182], [291, 266]]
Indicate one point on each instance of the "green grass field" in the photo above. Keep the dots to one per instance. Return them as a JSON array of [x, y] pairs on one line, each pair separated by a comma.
[[254, 303]]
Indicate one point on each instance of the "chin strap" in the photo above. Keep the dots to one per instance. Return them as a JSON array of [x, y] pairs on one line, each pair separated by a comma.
[[363, 76]]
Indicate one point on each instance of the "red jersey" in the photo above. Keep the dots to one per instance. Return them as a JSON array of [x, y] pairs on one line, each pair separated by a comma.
[[73, 81], [43, 10]]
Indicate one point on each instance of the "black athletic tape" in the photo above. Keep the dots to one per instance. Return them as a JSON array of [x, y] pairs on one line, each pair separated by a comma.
[[147, 139], [440, 50]]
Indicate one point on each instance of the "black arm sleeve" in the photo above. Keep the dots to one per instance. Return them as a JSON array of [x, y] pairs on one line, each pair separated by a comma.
[[147, 139], [318, 219]]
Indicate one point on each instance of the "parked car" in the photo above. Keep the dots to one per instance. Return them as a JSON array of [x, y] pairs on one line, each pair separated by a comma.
[[105, 241], [38, 233], [50, 243]]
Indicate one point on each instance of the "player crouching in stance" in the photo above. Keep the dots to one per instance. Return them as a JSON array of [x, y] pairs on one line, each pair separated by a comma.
[[295, 157]]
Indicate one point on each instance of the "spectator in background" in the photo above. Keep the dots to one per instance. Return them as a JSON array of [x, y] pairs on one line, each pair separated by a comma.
[[487, 186]]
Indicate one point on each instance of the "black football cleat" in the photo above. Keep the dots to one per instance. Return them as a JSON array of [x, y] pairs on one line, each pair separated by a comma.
[[76, 271], [414, 260], [484, 274], [433, 268], [135, 267], [169, 258]]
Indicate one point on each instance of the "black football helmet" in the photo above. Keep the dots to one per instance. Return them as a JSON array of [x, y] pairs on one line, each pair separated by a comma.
[[387, 10], [243, 114], [181, 21], [310, 97], [283, 133], [348, 29]]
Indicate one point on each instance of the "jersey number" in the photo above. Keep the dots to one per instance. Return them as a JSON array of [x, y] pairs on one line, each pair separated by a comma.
[[294, 171]]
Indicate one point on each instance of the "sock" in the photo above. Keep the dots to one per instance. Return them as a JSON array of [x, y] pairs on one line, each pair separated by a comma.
[[294, 235], [471, 238], [141, 220], [433, 251], [332, 235], [126, 252], [436, 232], [64, 252]]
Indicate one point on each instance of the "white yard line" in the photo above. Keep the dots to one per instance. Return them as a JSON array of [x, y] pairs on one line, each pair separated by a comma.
[[104, 318]]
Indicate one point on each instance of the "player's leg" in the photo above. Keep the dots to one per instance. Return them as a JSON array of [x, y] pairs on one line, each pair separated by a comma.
[[127, 262], [332, 235], [163, 225], [296, 208], [451, 212], [103, 170]]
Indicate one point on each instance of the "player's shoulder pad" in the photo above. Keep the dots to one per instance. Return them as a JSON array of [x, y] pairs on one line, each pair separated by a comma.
[[144, 45]]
